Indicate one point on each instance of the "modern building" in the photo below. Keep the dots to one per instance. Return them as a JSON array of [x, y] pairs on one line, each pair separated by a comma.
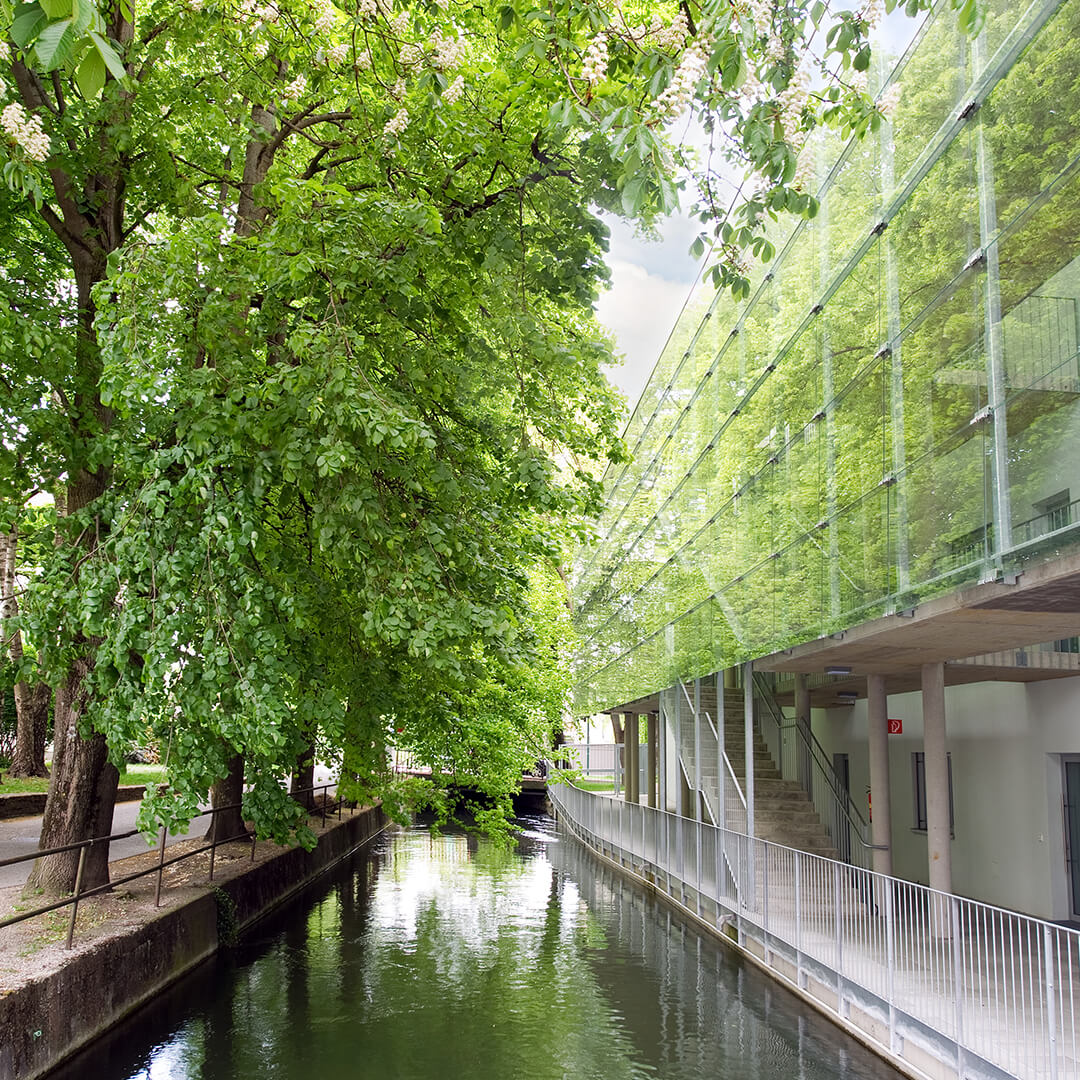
[[854, 498]]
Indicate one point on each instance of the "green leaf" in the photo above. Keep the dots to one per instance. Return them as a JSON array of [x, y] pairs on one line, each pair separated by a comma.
[[56, 9], [55, 44], [109, 56], [90, 78], [27, 24], [631, 195]]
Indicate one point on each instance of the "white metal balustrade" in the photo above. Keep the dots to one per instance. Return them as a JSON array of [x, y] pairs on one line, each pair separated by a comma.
[[944, 986]]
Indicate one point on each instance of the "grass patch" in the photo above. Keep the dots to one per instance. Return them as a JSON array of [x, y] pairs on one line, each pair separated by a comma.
[[594, 785], [133, 774]]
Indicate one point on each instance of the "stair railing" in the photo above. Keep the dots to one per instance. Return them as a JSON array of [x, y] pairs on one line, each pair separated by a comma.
[[808, 763], [735, 799]]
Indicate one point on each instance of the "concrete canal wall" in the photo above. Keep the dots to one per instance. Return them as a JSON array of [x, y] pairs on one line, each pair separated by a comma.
[[49, 1018]]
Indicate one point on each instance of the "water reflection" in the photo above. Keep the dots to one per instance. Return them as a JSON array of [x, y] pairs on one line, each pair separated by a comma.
[[440, 955]]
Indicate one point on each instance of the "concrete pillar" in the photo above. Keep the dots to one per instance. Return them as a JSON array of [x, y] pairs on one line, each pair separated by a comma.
[[938, 838], [748, 708], [630, 738], [880, 797], [650, 758], [731, 678]]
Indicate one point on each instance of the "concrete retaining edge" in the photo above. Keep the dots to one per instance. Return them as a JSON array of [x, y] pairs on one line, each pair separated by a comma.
[[49, 1019], [32, 804], [931, 1070]]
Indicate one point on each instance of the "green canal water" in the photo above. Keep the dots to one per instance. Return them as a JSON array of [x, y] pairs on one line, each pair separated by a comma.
[[439, 955]]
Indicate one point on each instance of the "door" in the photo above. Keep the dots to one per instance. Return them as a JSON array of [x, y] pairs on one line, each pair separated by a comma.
[[842, 828], [1072, 832]]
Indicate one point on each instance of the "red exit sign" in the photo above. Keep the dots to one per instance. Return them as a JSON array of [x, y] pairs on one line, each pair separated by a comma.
[[896, 727]]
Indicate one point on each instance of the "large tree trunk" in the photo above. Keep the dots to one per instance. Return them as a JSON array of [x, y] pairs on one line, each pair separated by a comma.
[[228, 824], [303, 778], [82, 795], [31, 731], [32, 700]]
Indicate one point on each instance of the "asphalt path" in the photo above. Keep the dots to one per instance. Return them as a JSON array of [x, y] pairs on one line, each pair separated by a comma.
[[19, 836]]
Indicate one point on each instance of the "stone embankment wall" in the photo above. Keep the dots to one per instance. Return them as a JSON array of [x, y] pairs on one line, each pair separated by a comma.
[[51, 1017]]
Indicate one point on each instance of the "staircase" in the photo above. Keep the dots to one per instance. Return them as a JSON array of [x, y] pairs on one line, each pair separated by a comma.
[[783, 812]]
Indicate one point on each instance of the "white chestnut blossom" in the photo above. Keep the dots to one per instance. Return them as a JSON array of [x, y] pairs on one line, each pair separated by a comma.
[[397, 92], [295, 89], [400, 23], [889, 100], [670, 38], [454, 91], [873, 11], [25, 130], [791, 102], [396, 124], [364, 60], [448, 51], [260, 49], [410, 55], [804, 170], [594, 66], [676, 97], [325, 16], [336, 55], [367, 9], [761, 15]]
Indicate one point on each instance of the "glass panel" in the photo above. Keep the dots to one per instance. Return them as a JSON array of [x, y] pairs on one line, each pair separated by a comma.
[[1041, 94], [1040, 331], [937, 231], [931, 85]]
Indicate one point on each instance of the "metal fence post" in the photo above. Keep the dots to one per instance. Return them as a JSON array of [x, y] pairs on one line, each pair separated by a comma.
[[1051, 1004], [161, 859], [839, 942], [78, 891], [958, 980]]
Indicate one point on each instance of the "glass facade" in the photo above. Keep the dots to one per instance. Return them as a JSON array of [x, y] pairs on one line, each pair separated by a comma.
[[895, 410]]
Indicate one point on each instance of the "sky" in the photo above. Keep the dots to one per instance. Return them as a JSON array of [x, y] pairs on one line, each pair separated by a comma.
[[651, 280]]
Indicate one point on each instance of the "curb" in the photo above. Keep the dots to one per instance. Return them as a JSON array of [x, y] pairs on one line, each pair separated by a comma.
[[32, 804]]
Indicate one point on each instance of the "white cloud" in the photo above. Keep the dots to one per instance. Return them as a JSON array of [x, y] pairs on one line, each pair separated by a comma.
[[640, 310]]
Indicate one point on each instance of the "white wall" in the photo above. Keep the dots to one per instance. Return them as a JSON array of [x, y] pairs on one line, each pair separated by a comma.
[[1006, 742]]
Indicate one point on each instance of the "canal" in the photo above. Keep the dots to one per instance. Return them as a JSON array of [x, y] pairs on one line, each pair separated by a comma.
[[441, 955]]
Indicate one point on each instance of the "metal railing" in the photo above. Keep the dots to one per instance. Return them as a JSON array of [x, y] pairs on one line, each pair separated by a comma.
[[948, 987], [83, 848], [712, 791], [802, 757]]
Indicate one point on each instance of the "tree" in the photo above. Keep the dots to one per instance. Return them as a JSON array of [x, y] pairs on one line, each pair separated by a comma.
[[325, 299]]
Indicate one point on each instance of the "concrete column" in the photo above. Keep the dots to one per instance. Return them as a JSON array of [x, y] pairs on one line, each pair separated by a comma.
[[662, 755], [938, 839], [650, 758], [748, 709], [730, 681], [630, 738], [721, 768], [880, 797]]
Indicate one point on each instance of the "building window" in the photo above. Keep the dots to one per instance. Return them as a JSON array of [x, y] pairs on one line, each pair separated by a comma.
[[918, 776]]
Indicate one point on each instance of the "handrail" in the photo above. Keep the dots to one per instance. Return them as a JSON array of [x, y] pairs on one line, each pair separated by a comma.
[[716, 734], [83, 846], [810, 741]]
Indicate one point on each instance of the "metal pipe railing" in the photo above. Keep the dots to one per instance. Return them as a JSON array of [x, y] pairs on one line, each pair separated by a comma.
[[84, 846], [941, 984], [808, 763]]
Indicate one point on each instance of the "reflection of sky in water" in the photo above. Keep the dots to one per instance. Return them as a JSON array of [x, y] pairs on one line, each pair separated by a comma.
[[447, 957]]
